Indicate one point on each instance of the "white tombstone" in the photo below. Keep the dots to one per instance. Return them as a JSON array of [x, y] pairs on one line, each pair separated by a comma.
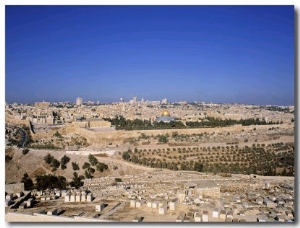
[[29, 202], [20, 194], [138, 203], [100, 207], [9, 196], [78, 198], [149, 204], [132, 203], [162, 210], [72, 198], [205, 216], [67, 198], [172, 205], [89, 197], [137, 219], [58, 193], [83, 197], [215, 213], [52, 212], [155, 204], [197, 217], [229, 215]]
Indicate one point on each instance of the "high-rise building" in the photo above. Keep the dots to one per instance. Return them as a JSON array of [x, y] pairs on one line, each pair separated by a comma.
[[164, 101], [79, 101], [134, 99]]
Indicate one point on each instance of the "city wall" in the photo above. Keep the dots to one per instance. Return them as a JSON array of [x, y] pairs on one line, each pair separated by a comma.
[[117, 136]]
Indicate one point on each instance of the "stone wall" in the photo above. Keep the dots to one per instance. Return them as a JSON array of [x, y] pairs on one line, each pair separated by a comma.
[[14, 188], [117, 136]]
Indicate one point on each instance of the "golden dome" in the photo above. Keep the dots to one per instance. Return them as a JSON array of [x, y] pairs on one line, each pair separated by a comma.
[[165, 113]]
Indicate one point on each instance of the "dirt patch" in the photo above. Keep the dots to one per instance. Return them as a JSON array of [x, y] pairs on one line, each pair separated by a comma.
[[37, 172]]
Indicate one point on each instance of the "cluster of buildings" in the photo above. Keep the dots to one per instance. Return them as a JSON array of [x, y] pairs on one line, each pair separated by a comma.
[[49, 113]]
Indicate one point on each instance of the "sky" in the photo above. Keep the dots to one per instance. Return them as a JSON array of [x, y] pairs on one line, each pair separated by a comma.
[[219, 54]]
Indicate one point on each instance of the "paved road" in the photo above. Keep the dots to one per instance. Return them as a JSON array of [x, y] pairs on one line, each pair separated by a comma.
[[24, 135]]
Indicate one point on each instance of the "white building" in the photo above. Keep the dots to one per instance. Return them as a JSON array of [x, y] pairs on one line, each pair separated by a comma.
[[79, 101]]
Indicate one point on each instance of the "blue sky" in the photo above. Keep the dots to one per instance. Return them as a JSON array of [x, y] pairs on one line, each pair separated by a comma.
[[226, 54]]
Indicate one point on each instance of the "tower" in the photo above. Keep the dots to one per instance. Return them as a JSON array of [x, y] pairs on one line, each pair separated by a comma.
[[79, 101]]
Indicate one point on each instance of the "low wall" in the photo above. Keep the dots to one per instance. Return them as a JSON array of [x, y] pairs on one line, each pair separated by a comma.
[[86, 153]]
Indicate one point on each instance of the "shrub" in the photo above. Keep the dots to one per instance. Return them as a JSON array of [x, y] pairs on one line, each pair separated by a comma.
[[93, 160], [63, 161], [118, 179], [48, 158], [86, 165], [75, 166], [101, 167], [25, 151]]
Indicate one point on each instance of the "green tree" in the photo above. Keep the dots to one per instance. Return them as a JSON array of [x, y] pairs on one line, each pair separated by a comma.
[[126, 156], [75, 166], [118, 179], [93, 160], [162, 139], [50, 181], [48, 158], [28, 183], [63, 161], [55, 163], [86, 165], [76, 181], [91, 170], [88, 174], [198, 167], [101, 167], [25, 151]]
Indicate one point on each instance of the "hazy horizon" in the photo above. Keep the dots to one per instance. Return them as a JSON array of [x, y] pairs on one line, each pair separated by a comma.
[[218, 54]]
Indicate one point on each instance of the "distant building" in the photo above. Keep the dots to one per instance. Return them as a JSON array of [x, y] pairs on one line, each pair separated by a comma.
[[165, 117], [134, 100], [42, 104], [164, 101], [79, 101]]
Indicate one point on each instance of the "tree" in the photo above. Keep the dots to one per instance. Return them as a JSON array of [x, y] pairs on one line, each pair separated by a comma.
[[57, 134], [61, 182], [88, 174], [50, 181], [91, 170], [48, 158], [162, 139], [28, 183], [86, 165], [25, 151], [118, 179], [101, 167], [55, 163], [63, 161], [75, 166], [93, 160], [126, 155], [198, 167], [76, 181], [284, 172]]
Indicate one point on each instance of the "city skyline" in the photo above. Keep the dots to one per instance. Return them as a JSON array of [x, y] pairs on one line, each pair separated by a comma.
[[219, 54]]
